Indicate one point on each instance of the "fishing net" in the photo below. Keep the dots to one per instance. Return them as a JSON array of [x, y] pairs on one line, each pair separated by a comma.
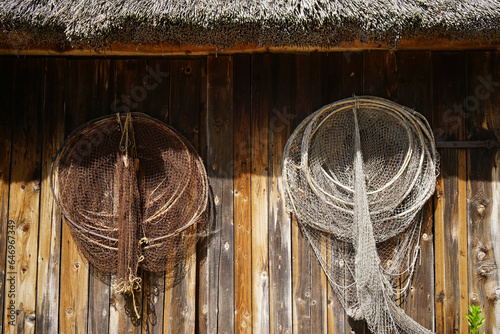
[[356, 174], [133, 192]]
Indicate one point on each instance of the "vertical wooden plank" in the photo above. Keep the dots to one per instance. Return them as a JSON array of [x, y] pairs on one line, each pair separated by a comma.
[[319, 281], [380, 74], [242, 195], [352, 84], [352, 74], [184, 116], [131, 87], [301, 280], [483, 123], [415, 81], [331, 87], [104, 88], [130, 95], [220, 166], [310, 285], [448, 312], [7, 67], [24, 196], [415, 91], [302, 251], [462, 239], [280, 247], [73, 307], [319, 298], [49, 250], [448, 96], [380, 79], [185, 98], [157, 84], [103, 97], [259, 198], [204, 262], [439, 252]]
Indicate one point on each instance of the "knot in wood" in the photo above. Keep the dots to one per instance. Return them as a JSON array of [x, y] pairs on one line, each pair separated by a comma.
[[30, 319], [484, 271], [481, 255], [497, 293]]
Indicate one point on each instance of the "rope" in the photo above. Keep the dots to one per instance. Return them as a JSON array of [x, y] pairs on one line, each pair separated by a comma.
[[128, 137], [133, 284], [99, 159], [356, 174]]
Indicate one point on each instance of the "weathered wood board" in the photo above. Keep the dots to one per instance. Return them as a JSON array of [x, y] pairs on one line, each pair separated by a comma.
[[254, 272], [24, 196]]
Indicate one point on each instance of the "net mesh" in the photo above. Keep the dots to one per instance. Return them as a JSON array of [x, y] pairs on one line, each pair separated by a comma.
[[133, 192], [356, 174]]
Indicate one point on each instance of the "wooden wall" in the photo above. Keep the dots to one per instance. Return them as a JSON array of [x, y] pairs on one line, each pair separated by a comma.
[[255, 272]]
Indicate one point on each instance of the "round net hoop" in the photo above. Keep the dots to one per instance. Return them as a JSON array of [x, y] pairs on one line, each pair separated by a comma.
[[357, 173], [133, 192]]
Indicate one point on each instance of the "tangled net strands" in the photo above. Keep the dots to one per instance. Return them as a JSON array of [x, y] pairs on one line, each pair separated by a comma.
[[356, 174], [134, 193]]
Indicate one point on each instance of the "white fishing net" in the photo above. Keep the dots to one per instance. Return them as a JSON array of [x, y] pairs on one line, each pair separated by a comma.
[[357, 174]]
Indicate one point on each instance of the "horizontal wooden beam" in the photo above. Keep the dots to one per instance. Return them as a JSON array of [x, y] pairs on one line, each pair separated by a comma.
[[468, 144], [117, 49]]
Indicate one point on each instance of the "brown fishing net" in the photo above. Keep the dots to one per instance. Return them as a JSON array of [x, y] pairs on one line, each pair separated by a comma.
[[133, 192], [356, 174]]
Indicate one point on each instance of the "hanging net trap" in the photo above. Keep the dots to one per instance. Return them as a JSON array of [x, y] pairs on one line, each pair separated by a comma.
[[133, 192], [356, 174]]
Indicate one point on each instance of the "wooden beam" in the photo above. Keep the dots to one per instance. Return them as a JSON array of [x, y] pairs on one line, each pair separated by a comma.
[[489, 144], [117, 49]]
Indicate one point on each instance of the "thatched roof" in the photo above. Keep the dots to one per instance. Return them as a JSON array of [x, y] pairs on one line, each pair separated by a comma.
[[225, 23]]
